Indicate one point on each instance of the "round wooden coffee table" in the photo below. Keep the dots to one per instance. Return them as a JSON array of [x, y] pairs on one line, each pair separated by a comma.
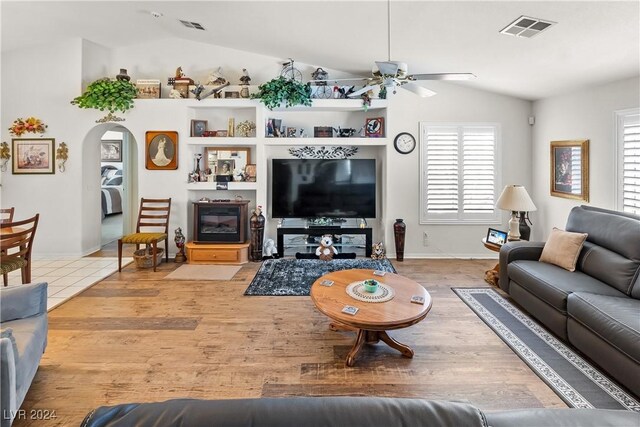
[[372, 319]]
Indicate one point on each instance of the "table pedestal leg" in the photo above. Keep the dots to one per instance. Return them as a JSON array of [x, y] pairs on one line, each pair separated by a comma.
[[372, 337]]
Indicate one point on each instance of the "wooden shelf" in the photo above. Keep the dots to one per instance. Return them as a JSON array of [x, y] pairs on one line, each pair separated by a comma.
[[209, 186]]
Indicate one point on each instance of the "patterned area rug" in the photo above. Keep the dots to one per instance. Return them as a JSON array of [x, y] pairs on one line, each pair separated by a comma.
[[294, 277], [570, 376]]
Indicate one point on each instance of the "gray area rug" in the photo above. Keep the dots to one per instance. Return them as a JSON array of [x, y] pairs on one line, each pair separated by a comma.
[[294, 277], [570, 376]]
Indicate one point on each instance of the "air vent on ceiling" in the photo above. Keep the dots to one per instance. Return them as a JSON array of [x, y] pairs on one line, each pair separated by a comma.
[[193, 25], [526, 27]]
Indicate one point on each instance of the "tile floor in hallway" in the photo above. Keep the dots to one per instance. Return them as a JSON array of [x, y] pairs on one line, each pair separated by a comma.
[[68, 276]]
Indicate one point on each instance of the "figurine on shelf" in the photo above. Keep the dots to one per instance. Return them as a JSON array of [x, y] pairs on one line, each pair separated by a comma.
[[216, 78], [179, 73], [197, 91], [196, 169], [174, 94], [179, 240], [245, 79]]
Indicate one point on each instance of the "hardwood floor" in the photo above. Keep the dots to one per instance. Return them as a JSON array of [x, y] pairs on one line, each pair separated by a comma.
[[136, 337]]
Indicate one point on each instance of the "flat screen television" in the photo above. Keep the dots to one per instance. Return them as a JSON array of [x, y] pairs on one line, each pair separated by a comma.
[[336, 188]]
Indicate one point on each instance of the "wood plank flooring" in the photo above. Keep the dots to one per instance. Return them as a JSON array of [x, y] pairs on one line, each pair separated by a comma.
[[136, 337]]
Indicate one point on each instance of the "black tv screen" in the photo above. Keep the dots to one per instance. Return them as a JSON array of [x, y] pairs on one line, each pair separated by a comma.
[[307, 188]]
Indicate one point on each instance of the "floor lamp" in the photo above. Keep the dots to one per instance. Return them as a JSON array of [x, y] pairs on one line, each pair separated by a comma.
[[515, 198]]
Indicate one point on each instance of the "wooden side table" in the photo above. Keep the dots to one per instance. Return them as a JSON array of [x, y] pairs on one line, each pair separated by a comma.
[[492, 276]]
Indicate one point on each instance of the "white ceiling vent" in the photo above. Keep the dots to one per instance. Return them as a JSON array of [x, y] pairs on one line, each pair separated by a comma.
[[193, 25], [526, 27]]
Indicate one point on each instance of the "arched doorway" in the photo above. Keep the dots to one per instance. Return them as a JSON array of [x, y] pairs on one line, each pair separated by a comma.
[[108, 146]]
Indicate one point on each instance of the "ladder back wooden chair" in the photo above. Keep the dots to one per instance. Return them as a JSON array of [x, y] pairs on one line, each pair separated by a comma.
[[6, 215], [16, 241], [154, 214]]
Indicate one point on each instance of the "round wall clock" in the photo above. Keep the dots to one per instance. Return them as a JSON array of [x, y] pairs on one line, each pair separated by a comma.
[[404, 143]]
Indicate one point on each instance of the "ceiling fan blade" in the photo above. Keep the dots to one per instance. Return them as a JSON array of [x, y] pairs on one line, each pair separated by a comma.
[[340, 82], [418, 90], [387, 68], [442, 76], [361, 91]]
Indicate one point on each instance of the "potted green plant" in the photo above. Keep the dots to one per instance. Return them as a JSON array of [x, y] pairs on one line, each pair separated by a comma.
[[107, 94], [282, 90]]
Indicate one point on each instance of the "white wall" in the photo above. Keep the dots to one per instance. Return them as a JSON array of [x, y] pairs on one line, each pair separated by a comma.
[[451, 104], [586, 114], [70, 200]]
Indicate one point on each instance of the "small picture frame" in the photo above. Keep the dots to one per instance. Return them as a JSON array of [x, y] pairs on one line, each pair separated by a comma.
[[291, 132], [222, 133], [148, 89], [33, 156], [161, 150], [198, 127], [232, 94], [349, 309], [111, 150], [225, 166], [374, 127], [250, 171], [496, 237]]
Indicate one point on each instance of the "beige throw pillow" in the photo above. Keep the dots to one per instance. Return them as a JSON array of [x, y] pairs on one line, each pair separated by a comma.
[[563, 248]]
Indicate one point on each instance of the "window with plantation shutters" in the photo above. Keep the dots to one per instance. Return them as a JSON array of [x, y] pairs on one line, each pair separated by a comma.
[[628, 192], [459, 173]]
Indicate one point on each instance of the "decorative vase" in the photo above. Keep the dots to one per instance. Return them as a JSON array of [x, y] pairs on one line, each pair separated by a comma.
[[123, 75], [257, 234], [179, 240], [244, 92], [399, 230]]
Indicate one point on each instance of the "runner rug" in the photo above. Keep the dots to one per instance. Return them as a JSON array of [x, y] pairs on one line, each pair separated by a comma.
[[294, 277], [570, 376]]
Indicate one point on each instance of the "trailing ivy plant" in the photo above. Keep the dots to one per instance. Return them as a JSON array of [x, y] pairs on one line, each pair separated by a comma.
[[282, 90], [107, 94]]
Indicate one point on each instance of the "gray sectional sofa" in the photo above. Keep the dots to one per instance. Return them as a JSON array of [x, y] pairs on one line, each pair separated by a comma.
[[595, 308], [23, 317], [343, 412]]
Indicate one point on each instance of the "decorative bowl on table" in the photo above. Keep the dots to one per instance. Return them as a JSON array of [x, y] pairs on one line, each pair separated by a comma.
[[370, 285]]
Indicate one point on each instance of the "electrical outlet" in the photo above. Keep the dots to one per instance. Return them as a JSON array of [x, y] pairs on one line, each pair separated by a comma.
[[425, 239]]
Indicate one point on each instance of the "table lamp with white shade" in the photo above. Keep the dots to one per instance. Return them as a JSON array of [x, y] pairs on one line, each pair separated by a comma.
[[515, 198]]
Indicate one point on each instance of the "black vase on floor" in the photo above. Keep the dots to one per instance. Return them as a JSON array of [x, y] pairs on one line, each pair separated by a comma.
[[399, 230], [257, 234]]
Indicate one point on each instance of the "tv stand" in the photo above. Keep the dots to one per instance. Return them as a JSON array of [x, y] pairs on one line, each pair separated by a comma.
[[322, 230]]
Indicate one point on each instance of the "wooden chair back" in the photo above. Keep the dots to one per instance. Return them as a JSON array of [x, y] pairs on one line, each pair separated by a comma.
[[6, 215], [16, 239], [154, 213]]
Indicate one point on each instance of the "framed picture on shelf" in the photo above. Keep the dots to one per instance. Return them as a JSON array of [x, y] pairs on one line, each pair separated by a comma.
[[496, 237], [198, 127], [215, 157], [570, 169], [374, 127], [33, 156], [291, 132], [250, 172], [148, 89], [161, 151], [111, 150], [225, 166]]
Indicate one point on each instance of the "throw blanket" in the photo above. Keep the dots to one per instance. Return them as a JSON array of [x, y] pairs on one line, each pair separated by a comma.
[[111, 200]]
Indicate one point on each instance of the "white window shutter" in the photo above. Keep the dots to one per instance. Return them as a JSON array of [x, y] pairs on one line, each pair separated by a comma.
[[459, 173], [630, 167]]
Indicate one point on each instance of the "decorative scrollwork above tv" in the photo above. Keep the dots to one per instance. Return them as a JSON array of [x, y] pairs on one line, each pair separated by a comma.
[[337, 152]]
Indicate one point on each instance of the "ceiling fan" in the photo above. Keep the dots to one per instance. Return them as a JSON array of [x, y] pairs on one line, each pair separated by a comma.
[[393, 74]]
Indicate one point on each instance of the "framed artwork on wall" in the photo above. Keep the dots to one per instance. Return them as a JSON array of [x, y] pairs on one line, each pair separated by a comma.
[[570, 169], [161, 151], [33, 156], [111, 150], [374, 127]]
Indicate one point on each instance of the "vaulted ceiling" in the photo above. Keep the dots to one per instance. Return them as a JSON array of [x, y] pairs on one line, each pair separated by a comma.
[[593, 42]]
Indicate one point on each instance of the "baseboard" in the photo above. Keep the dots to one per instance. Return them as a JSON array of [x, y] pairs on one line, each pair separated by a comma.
[[445, 256]]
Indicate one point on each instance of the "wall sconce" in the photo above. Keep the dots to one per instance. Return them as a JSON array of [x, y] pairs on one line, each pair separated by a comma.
[[62, 154], [5, 155]]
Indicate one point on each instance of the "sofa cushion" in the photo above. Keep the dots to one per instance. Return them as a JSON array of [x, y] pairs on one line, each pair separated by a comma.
[[615, 320], [31, 336], [552, 284], [563, 248], [608, 266], [615, 231]]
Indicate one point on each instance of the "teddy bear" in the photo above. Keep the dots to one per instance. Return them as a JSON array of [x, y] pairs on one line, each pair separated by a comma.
[[326, 251], [377, 251], [270, 249]]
